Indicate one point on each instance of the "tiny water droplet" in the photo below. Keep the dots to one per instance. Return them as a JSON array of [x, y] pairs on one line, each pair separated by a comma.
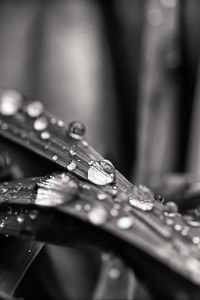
[[55, 157], [34, 109], [76, 130], [20, 219], [125, 222], [114, 212], [87, 207], [71, 165], [40, 123], [73, 151], [102, 196], [45, 135], [178, 227], [114, 273], [10, 102], [97, 215], [196, 240], [101, 172], [78, 207], [60, 123], [29, 251], [33, 214], [4, 126], [2, 223]]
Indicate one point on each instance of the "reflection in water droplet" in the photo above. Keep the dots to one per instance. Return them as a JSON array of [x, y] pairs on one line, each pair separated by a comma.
[[76, 130], [72, 165], [97, 215], [40, 124], [45, 135], [101, 172], [125, 222], [34, 109], [142, 205], [10, 102]]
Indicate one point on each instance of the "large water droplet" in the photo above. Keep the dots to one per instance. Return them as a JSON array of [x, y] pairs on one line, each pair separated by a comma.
[[34, 109], [76, 130], [140, 204], [171, 209], [10, 102], [125, 222], [40, 124], [101, 172], [98, 215]]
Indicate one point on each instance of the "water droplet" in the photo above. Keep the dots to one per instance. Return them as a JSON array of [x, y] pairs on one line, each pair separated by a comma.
[[196, 240], [55, 157], [125, 222], [101, 173], [4, 126], [45, 135], [185, 231], [114, 273], [20, 219], [40, 124], [73, 151], [102, 196], [97, 215], [140, 204], [169, 222], [114, 212], [76, 130], [87, 207], [171, 209], [190, 220], [178, 227], [2, 223], [10, 102], [71, 165], [60, 123], [53, 121], [34, 109], [29, 251], [33, 214], [78, 207]]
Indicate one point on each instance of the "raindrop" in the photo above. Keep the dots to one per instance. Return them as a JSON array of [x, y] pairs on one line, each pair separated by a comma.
[[98, 215], [20, 219], [101, 172], [60, 123], [55, 157], [10, 102], [34, 109], [140, 204], [178, 227], [114, 273], [71, 165], [196, 240], [73, 151], [2, 223], [45, 135], [102, 196], [40, 124], [33, 214], [125, 222], [171, 209], [76, 130]]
